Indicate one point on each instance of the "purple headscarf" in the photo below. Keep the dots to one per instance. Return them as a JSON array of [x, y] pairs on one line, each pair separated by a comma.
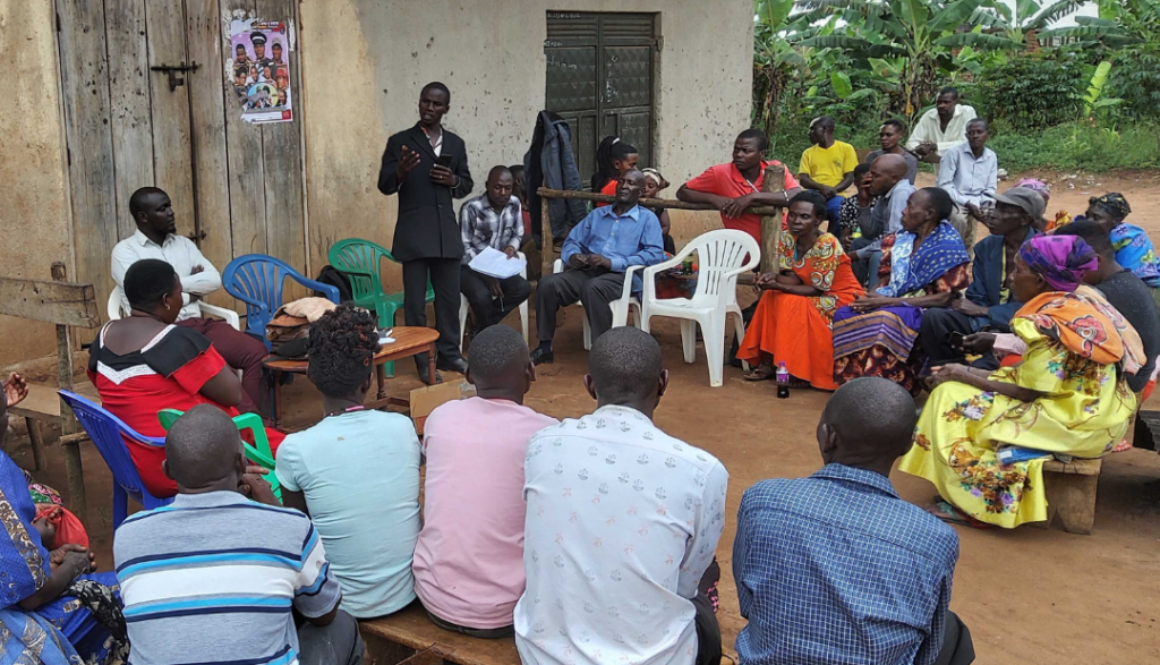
[[1061, 260]]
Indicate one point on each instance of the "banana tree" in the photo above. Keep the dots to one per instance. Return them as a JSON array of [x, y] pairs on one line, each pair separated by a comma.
[[775, 59], [921, 35]]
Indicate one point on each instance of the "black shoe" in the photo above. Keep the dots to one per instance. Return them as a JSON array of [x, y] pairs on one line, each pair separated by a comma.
[[423, 368], [457, 365], [423, 378], [541, 357]]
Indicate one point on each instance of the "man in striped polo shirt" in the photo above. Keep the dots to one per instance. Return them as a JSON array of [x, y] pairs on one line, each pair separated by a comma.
[[217, 576]]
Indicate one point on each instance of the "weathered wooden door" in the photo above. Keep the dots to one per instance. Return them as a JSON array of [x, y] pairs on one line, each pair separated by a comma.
[[147, 102]]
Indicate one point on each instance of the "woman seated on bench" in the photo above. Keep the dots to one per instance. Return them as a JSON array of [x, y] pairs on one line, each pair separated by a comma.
[[1068, 395], [143, 363]]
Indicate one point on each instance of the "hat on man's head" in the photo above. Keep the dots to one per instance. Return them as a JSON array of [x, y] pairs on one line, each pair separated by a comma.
[[1023, 197], [258, 38]]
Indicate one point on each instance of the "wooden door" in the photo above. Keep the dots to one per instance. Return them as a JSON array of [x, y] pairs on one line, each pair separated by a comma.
[[237, 188]]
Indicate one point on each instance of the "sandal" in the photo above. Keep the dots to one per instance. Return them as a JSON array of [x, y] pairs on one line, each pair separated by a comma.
[[948, 513], [760, 373]]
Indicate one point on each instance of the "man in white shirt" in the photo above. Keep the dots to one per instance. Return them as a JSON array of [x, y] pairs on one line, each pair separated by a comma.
[[970, 174], [156, 238], [942, 127], [622, 525]]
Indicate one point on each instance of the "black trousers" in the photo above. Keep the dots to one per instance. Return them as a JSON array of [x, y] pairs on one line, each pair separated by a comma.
[[937, 324], [445, 280], [708, 630], [337, 643], [488, 310], [594, 289], [957, 647]]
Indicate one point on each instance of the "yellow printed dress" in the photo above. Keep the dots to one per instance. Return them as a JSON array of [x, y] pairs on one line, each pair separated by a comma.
[[1084, 411]]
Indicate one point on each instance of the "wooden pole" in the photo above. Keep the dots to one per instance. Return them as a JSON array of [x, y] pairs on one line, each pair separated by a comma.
[[773, 183], [547, 242], [78, 502], [669, 204]]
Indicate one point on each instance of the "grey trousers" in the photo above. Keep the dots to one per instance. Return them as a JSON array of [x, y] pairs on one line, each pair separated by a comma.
[[595, 290], [337, 643]]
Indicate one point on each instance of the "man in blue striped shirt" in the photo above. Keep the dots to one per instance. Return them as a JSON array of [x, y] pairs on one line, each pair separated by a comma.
[[217, 576], [836, 569]]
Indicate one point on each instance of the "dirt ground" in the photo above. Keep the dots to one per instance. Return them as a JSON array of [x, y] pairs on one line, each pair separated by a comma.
[[1029, 595]]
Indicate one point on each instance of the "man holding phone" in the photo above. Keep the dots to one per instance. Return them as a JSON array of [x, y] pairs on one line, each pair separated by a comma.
[[426, 166]]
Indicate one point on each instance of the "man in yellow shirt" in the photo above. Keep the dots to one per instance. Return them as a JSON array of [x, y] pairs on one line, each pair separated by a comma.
[[828, 166]]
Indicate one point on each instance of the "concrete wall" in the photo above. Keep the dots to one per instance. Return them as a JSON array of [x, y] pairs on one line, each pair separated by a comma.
[[34, 211], [364, 62]]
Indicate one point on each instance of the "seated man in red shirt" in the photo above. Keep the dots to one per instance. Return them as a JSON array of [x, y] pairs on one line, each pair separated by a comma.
[[733, 187]]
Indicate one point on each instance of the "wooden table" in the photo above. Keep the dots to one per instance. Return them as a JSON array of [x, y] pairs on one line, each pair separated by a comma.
[[409, 341]]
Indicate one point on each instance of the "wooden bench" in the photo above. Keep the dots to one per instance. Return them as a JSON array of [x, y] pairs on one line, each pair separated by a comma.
[[65, 305], [409, 634], [1071, 493]]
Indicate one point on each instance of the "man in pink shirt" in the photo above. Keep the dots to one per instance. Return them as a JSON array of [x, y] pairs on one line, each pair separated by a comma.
[[733, 187], [469, 567]]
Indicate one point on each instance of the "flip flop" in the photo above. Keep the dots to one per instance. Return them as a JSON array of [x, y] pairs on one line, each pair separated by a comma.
[[755, 375], [948, 513]]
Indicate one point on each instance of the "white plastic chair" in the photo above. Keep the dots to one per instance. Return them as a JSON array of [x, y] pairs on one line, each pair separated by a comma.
[[116, 310], [463, 307], [721, 257], [620, 307]]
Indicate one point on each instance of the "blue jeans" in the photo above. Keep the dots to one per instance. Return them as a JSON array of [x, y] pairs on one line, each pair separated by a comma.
[[834, 206], [866, 269]]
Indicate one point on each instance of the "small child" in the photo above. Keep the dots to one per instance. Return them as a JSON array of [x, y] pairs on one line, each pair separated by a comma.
[[654, 184]]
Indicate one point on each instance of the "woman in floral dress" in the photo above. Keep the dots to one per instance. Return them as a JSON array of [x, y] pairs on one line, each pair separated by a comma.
[[1067, 396]]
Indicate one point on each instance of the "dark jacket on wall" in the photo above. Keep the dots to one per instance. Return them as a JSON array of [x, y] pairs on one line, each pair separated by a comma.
[[550, 163], [427, 227]]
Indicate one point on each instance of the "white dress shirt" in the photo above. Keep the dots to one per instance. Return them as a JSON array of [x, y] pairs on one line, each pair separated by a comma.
[[622, 522], [969, 179], [179, 252], [928, 128]]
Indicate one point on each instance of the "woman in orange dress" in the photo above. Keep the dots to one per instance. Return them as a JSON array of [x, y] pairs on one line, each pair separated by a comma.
[[793, 321]]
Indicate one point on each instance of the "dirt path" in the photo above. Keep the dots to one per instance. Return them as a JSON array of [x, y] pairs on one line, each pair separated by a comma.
[[1029, 595]]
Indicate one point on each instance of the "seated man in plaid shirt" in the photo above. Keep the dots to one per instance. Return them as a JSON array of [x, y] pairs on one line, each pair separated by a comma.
[[493, 219], [836, 568]]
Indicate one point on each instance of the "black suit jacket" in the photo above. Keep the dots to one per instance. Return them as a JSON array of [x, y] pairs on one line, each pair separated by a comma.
[[427, 227]]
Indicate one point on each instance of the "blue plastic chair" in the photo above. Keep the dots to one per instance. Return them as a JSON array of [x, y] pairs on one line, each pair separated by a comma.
[[257, 280], [106, 431]]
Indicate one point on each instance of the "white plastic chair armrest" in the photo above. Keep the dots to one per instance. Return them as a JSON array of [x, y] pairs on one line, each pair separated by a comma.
[[524, 270], [228, 315], [558, 266], [626, 293]]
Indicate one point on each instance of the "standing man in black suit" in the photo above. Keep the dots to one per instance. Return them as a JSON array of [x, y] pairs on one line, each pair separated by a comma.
[[427, 166]]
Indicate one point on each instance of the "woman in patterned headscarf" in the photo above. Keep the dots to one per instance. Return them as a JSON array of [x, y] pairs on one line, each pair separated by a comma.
[[1067, 395], [1133, 246]]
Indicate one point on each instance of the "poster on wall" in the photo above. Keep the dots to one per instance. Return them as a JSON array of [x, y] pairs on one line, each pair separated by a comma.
[[259, 68]]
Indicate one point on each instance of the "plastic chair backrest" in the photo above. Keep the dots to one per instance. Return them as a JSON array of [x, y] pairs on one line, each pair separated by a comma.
[[360, 260], [257, 280], [260, 455], [719, 253], [106, 431]]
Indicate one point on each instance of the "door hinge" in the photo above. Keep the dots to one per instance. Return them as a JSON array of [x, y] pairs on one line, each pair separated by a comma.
[[197, 236], [58, 21], [659, 44]]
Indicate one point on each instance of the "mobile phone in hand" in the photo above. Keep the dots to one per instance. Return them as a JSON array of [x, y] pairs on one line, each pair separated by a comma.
[[955, 339], [443, 160]]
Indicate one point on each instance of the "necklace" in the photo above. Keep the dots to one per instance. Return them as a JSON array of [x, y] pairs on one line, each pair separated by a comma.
[[349, 409]]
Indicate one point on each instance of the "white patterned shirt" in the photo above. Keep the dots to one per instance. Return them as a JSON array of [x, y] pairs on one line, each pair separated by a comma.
[[622, 522]]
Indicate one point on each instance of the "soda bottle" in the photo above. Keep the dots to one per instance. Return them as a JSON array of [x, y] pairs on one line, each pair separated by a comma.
[[782, 381]]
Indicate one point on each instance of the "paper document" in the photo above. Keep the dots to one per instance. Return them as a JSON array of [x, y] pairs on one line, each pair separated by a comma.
[[385, 337], [494, 263]]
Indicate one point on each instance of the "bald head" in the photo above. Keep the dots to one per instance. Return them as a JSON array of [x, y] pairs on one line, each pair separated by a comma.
[[203, 451], [886, 172], [868, 423]]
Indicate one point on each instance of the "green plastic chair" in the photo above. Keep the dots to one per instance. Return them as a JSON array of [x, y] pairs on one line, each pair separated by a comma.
[[360, 260], [259, 454]]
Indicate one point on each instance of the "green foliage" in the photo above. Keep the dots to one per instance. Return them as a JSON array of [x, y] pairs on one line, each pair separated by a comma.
[[1031, 92], [1079, 147]]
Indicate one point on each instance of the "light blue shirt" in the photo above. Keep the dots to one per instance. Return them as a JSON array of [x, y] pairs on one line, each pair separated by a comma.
[[631, 239], [886, 216], [969, 179], [359, 472]]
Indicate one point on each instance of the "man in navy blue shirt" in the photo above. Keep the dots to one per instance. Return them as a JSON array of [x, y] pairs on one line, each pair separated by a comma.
[[596, 255], [836, 568]]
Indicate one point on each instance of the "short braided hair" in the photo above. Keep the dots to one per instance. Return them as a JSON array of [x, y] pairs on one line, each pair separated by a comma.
[[342, 348]]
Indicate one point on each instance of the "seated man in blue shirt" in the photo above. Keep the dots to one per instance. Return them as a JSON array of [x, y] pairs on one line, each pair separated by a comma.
[[596, 255], [989, 304], [836, 568]]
